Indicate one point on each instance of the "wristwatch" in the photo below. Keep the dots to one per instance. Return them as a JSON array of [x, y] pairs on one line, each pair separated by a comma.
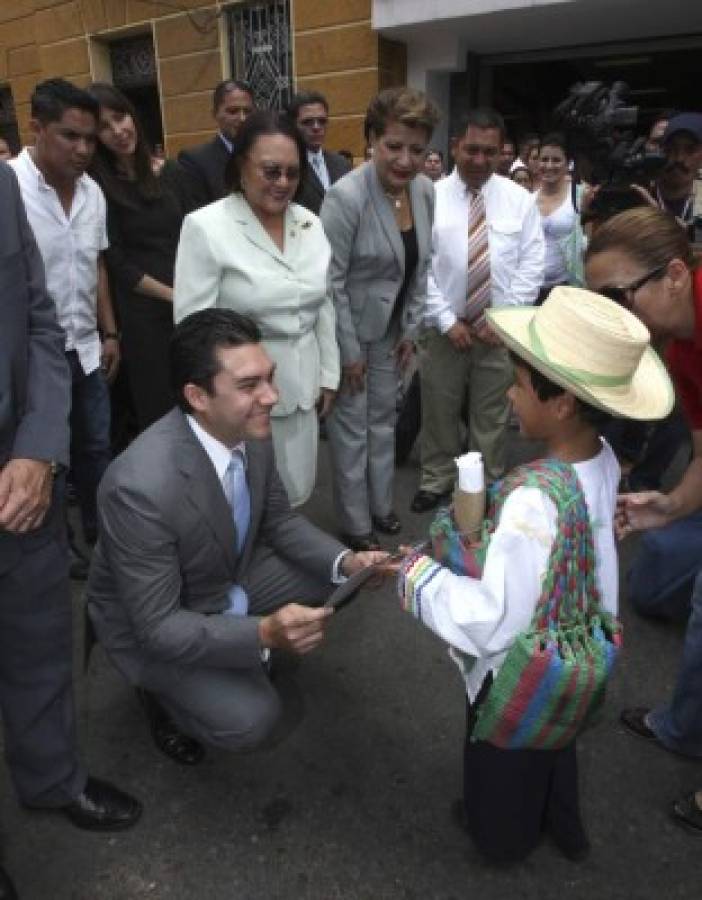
[[55, 468], [111, 336]]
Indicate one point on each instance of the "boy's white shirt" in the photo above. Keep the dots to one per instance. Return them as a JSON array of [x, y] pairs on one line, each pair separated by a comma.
[[482, 617]]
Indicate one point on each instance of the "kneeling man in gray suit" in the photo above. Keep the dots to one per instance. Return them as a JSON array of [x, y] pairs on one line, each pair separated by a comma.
[[201, 564]]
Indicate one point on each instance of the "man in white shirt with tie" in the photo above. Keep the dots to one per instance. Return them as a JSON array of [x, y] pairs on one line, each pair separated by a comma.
[[488, 250], [201, 564], [310, 112]]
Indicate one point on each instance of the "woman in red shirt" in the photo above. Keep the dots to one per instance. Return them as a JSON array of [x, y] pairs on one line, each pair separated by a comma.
[[643, 260]]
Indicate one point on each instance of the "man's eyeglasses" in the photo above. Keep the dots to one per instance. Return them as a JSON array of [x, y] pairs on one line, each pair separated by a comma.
[[624, 296], [320, 121], [275, 173]]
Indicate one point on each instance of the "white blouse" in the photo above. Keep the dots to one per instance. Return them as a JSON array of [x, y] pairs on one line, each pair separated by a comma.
[[482, 617]]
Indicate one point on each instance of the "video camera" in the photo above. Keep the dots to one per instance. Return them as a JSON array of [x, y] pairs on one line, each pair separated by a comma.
[[600, 130]]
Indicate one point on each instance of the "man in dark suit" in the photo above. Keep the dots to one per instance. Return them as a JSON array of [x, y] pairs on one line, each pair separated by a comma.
[[36, 647], [199, 554], [232, 104], [310, 112]]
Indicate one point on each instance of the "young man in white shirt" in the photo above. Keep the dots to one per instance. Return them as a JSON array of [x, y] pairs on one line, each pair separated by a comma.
[[488, 251], [66, 210]]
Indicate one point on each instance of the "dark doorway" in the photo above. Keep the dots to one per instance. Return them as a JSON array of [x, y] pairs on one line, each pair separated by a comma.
[[134, 73], [526, 91], [8, 121]]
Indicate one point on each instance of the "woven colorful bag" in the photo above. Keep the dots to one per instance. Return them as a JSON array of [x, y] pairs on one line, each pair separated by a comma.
[[554, 676]]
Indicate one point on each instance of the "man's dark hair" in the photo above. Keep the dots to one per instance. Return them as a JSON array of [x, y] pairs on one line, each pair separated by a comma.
[[555, 139], [51, 99], [305, 98], [258, 124], [230, 84], [194, 345], [481, 117], [545, 389]]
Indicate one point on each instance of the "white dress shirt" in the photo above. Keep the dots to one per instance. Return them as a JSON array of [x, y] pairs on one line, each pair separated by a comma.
[[318, 164], [482, 617], [70, 246], [220, 455], [516, 245]]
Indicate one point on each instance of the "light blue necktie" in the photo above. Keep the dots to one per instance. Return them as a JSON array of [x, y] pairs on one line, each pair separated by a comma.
[[236, 490]]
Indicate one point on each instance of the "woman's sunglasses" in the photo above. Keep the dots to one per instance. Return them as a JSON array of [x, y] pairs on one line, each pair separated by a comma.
[[624, 296]]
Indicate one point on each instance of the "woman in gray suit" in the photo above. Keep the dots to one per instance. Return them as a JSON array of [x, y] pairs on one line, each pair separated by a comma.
[[378, 219]]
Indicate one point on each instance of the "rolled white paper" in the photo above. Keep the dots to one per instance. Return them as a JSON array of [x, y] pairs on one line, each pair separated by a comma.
[[471, 472]]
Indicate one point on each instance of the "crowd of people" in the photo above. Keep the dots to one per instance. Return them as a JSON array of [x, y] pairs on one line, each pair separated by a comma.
[[173, 334]]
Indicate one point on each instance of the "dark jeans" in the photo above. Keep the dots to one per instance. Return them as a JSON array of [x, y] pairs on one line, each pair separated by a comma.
[[667, 562], [90, 438], [678, 723]]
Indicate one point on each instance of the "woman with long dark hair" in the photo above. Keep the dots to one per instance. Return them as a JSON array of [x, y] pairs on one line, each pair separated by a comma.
[[146, 203]]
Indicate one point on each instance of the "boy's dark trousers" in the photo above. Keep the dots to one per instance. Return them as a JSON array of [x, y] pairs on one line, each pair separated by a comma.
[[513, 796]]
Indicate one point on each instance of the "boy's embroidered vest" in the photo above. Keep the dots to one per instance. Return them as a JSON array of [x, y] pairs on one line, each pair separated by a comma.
[[554, 676]]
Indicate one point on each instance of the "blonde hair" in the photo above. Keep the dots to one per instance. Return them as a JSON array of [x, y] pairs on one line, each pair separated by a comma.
[[404, 105], [649, 235]]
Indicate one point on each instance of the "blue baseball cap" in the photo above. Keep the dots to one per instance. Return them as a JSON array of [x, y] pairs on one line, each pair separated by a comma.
[[690, 122]]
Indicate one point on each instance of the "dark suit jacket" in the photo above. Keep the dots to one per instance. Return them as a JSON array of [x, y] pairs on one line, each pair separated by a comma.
[[166, 556], [205, 164], [311, 192], [34, 377]]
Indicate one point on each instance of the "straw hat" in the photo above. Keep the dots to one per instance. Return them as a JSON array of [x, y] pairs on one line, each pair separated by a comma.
[[593, 348]]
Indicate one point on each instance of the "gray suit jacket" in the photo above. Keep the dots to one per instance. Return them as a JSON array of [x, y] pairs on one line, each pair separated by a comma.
[[34, 377], [310, 193], [166, 556], [368, 257]]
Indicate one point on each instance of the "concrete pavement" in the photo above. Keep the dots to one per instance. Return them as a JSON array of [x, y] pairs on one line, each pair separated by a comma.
[[354, 804]]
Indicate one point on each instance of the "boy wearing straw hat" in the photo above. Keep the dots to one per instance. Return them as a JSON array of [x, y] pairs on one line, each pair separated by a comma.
[[578, 359]]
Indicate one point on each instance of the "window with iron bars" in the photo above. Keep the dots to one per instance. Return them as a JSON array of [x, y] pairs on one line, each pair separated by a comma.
[[260, 46]]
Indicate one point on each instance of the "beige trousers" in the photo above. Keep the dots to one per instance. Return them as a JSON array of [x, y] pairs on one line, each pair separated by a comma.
[[483, 373]]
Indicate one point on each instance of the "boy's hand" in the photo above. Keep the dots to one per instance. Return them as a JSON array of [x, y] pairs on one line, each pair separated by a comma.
[[639, 512], [391, 566], [459, 335]]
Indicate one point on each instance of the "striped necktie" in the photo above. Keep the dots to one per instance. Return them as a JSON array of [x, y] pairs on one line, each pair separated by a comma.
[[478, 291]]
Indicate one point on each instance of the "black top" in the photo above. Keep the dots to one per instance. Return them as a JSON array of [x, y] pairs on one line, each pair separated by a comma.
[[144, 235], [409, 240]]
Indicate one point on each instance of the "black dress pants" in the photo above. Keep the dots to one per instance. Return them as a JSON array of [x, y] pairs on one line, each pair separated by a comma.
[[513, 796], [36, 676]]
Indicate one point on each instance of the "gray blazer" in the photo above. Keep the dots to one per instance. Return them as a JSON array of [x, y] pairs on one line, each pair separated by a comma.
[[34, 376], [368, 257], [166, 556]]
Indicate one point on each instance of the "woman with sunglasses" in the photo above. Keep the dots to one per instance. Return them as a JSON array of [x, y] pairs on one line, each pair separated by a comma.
[[260, 254], [642, 259]]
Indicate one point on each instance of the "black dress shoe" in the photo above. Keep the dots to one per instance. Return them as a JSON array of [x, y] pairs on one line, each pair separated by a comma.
[[103, 807], [634, 720], [423, 501], [361, 543], [168, 738], [389, 524], [685, 812], [7, 888]]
